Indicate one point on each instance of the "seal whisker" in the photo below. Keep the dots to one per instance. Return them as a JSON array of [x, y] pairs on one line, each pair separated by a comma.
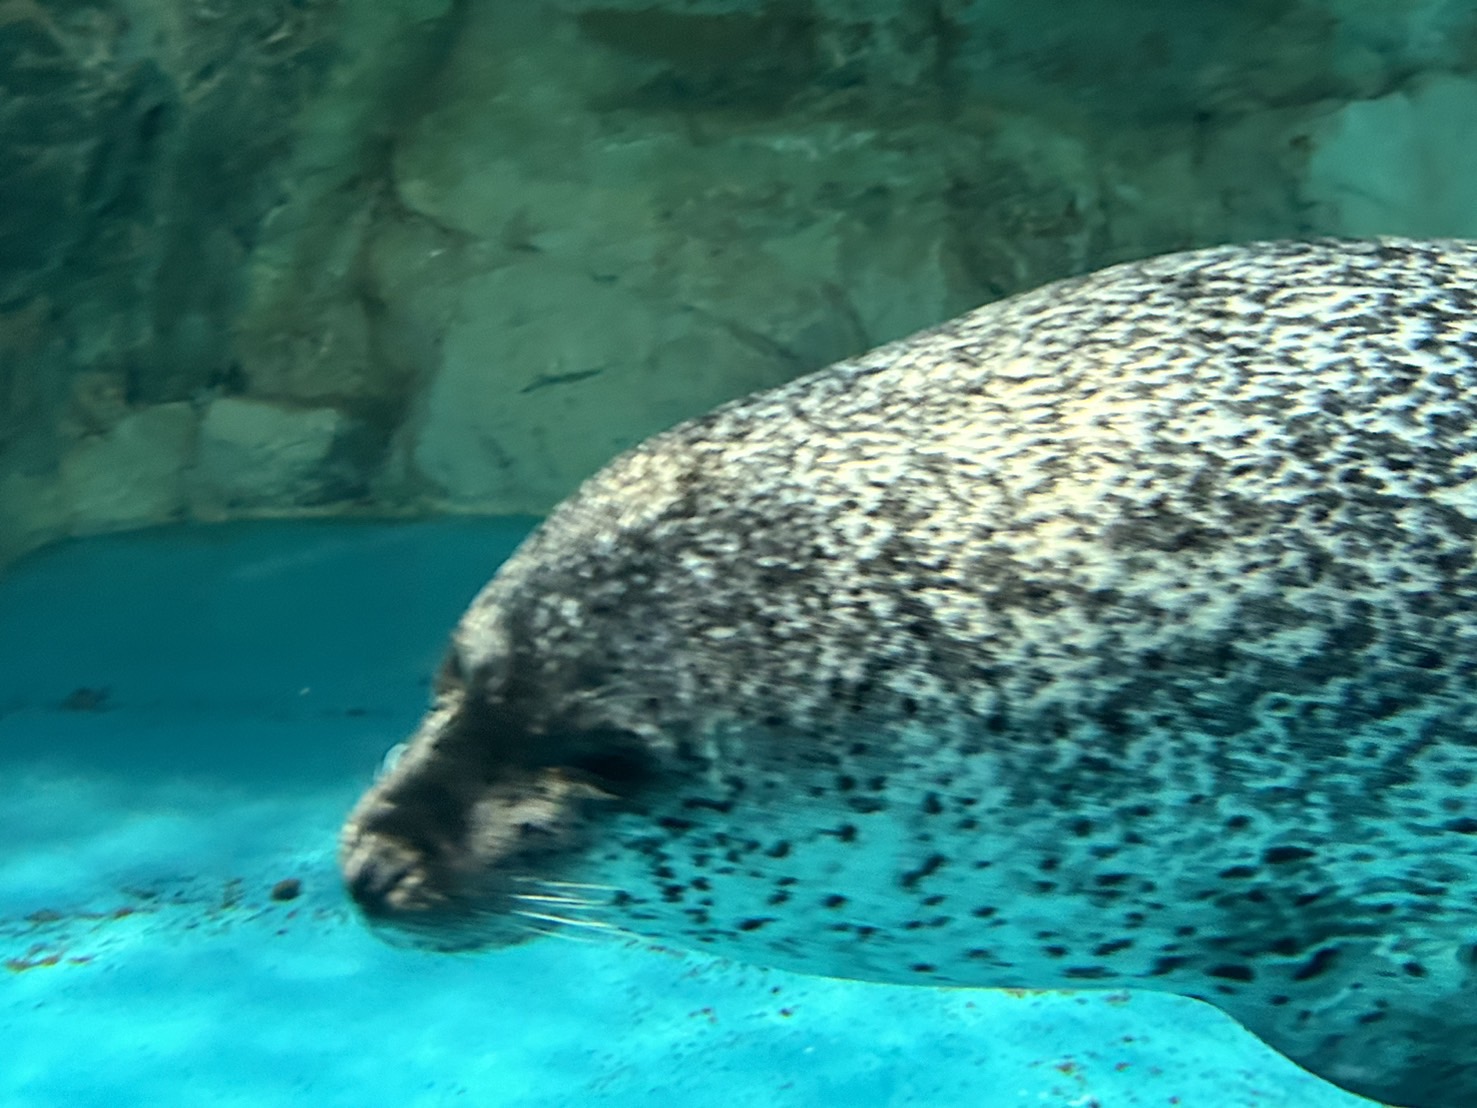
[[549, 882], [551, 933], [562, 921], [537, 898]]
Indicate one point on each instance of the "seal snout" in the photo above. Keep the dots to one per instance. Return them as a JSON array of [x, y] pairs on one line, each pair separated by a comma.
[[372, 883], [386, 875]]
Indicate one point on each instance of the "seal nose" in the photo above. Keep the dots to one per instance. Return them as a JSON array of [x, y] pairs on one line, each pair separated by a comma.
[[370, 882], [379, 872]]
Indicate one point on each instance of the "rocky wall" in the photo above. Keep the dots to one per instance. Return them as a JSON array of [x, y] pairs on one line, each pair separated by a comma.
[[315, 256]]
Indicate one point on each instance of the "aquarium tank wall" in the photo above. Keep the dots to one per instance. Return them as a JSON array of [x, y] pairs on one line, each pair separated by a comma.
[[312, 310], [409, 257]]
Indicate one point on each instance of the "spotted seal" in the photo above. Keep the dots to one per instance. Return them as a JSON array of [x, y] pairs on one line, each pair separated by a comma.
[[1121, 633]]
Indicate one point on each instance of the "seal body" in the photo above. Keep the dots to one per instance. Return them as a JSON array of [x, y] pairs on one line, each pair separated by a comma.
[[1118, 634]]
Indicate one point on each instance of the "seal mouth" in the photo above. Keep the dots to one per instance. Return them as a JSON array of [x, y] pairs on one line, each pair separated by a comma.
[[399, 893], [468, 866], [384, 877]]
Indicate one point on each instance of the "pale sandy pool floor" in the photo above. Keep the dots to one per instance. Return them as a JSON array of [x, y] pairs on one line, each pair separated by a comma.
[[185, 715]]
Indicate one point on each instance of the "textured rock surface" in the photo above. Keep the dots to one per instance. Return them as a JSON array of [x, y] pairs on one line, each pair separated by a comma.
[[1409, 158], [481, 247]]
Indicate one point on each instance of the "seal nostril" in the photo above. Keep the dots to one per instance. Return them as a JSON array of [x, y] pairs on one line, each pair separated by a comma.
[[370, 881]]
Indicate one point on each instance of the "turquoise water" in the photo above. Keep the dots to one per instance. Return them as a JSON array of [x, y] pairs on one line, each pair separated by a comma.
[[185, 716]]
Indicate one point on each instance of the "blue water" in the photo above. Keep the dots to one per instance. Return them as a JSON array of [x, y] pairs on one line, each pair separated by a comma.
[[185, 716]]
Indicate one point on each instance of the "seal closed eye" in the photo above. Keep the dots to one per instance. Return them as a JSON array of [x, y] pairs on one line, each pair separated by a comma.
[[1119, 634]]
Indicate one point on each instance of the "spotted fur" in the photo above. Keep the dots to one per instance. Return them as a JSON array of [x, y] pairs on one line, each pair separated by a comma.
[[1118, 634]]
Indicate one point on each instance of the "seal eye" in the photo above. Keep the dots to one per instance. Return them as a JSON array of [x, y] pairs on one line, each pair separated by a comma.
[[621, 769]]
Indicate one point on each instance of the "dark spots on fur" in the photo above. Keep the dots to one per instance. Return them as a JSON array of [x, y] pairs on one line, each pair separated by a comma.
[[929, 865], [923, 967], [933, 901], [673, 894], [755, 923], [932, 806], [1087, 973], [1238, 823], [1232, 972], [1049, 865], [858, 750], [846, 832], [1236, 873], [1373, 1017], [1108, 880], [786, 882], [1055, 951], [969, 823], [877, 784], [780, 849], [979, 954], [672, 823], [909, 706], [1166, 964], [1081, 828], [835, 900], [701, 884], [985, 911], [1414, 969], [1317, 965], [665, 872], [1281, 855], [1287, 946], [778, 898], [693, 802], [775, 721], [1102, 950], [1464, 826], [865, 805], [1427, 659], [1043, 887], [1304, 899], [845, 783]]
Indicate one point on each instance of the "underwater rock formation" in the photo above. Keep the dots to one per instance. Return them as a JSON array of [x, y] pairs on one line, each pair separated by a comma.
[[331, 256]]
